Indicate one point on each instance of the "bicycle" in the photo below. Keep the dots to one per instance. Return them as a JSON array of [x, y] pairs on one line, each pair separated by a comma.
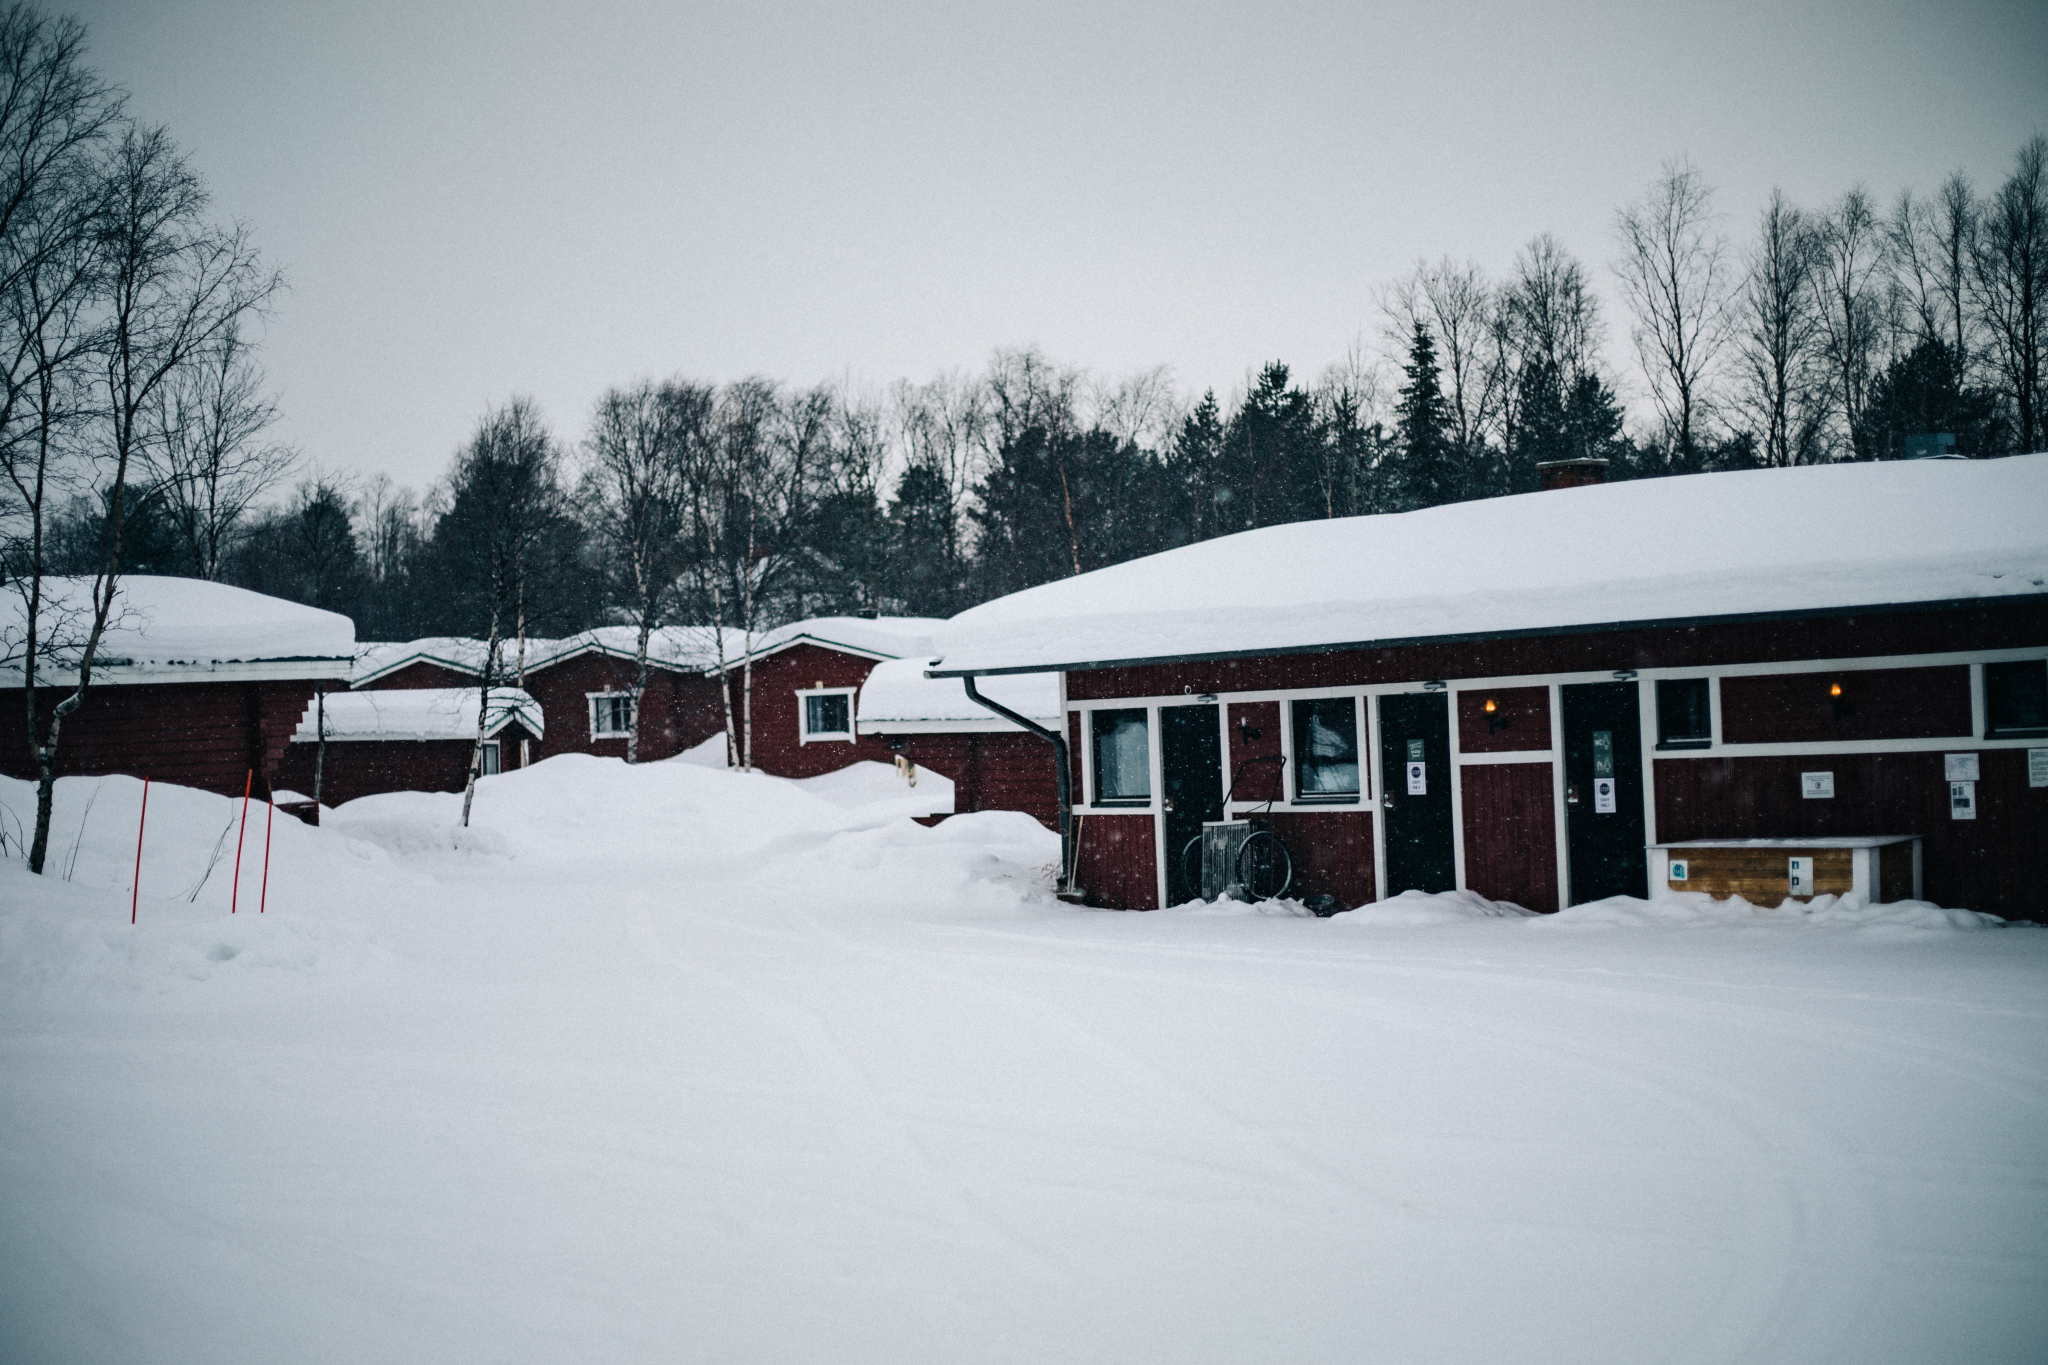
[[1252, 861]]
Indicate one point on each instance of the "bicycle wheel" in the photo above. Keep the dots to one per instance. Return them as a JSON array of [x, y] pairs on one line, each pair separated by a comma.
[[1191, 869], [1264, 868]]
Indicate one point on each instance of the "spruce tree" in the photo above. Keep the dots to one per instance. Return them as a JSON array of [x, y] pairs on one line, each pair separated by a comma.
[[1429, 472]]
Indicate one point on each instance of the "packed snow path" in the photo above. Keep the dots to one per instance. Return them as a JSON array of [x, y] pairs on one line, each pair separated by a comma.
[[677, 1064]]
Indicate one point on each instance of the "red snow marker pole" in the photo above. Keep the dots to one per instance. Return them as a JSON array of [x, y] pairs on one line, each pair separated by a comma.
[[236, 894], [264, 899], [136, 895]]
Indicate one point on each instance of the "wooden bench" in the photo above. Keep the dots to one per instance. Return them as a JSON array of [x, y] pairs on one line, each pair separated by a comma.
[[1878, 867]]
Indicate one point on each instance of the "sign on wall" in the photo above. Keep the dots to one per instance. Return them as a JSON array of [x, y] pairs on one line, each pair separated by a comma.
[[1962, 800], [2037, 767], [1817, 786], [1960, 768]]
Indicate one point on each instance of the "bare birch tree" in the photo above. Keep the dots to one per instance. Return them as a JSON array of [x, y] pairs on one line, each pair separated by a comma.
[[638, 480], [1458, 304], [212, 461], [1674, 276], [1850, 306], [1781, 384], [2009, 284]]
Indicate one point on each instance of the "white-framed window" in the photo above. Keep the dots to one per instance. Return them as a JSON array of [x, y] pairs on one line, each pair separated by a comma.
[[611, 714], [825, 713], [489, 766], [1325, 734], [1121, 740]]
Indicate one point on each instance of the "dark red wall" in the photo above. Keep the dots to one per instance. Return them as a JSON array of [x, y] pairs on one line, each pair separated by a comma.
[[778, 747], [1332, 852], [207, 735], [1878, 703], [1510, 825], [677, 711], [420, 675], [1520, 720], [1006, 771], [1988, 627], [1990, 863], [356, 768], [1115, 864]]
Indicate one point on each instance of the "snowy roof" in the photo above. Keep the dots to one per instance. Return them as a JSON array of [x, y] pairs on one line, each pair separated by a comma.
[[1752, 543], [166, 629], [885, 637], [457, 652], [897, 696], [687, 648], [400, 713]]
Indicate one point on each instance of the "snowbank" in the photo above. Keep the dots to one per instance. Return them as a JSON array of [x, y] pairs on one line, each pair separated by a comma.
[[1773, 540], [1697, 910]]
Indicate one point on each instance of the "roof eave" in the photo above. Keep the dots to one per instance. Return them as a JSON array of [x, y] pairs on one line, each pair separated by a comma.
[[1473, 637]]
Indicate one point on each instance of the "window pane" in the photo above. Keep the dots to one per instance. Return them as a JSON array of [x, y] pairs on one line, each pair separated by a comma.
[[1123, 762], [1682, 716], [1326, 747], [2016, 697], [826, 715], [489, 766]]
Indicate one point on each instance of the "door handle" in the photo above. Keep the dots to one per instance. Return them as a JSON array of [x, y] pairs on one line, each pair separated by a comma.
[[1167, 803], [1386, 803], [1571, 796]]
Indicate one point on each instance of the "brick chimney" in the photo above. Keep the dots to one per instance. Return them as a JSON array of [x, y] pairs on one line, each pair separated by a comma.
[[1571, 473]]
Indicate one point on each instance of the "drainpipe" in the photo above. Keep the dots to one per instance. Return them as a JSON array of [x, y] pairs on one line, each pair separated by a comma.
[[1059, 745]]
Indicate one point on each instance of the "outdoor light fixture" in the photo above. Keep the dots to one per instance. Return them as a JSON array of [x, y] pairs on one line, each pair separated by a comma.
[[1433, 685], [1496, 719], [1624, 675], [1838, 700], [1246, 730]]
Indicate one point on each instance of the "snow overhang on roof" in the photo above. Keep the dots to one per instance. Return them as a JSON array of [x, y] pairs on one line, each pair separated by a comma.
[[176, 630], [678, 649], [418, 713], [456, 653], [898, 698], [1817, 540], [885, 637]]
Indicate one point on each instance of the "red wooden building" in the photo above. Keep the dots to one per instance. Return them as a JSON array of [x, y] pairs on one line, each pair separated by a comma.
[[807, 677], [1518, 696], [583, 685], [407, 739], [994, 763], [195, 683]]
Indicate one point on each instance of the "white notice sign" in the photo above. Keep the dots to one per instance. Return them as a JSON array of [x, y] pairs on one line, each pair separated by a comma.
[[2037, 767], [1962, 800], [1817, 786], [1603, 796], [1960, 768], [1418, 779], [1799, 873]]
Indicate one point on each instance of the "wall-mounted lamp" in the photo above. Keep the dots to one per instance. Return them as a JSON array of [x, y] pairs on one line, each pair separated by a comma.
[[1433, 685], [1496, 719], [1246, 730], [1839, 701], [1624, 675]]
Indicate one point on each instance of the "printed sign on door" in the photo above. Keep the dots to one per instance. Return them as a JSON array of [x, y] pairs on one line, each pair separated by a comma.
[[1603, 796], [1418, 770]]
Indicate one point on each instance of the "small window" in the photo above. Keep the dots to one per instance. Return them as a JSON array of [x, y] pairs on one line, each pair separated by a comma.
[[489, 766], [611, 715], [1123, 759], [2016, 698], [828, 715], [1683, 721], [1326, 749]]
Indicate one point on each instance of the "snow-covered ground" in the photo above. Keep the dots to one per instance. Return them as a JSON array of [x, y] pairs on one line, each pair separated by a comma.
[[672, 1063]]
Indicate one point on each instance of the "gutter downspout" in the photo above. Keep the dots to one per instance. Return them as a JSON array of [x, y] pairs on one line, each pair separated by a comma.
[[1066, 789]]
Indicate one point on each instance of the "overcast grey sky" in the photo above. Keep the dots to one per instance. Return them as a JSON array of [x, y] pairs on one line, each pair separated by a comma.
[[478, 200]]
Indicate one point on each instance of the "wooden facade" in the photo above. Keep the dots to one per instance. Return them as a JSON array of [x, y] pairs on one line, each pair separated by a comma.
[[779, 743], [208, 734], [990, 770], [355, 768], [1833, 725]]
